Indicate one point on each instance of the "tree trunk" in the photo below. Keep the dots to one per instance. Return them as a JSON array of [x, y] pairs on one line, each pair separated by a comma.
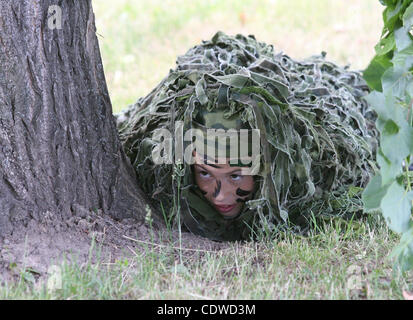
[[59, 147]]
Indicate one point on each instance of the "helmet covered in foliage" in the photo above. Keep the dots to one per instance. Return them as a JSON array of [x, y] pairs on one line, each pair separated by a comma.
[[317, 135]]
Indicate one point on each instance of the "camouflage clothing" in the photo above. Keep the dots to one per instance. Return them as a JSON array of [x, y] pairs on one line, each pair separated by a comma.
[[318, 139]]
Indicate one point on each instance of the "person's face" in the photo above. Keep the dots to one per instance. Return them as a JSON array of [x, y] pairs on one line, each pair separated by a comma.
[[223, 186]]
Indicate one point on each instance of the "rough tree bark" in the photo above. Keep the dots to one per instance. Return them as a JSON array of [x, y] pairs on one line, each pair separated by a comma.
[[59, 148]]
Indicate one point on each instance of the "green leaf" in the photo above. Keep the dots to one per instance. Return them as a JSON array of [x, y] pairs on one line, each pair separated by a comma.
[[395, 81], [403, 59], [393, 13], [389, 170], [396, 208], [377, 100], [373, 73], [403, 252], [388, 3], [402, 37], [386, 45], [408, 17], [390, 128], [396, 145], [409, 94], [373, 193]]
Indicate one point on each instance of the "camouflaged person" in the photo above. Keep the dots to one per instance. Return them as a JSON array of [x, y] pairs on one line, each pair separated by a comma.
[[316, 144]]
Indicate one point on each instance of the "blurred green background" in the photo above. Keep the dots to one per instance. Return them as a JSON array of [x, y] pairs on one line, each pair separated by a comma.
[[140, 39]]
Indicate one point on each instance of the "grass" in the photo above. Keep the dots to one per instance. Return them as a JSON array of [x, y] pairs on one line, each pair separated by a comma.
[[340, 261], [140, 40]]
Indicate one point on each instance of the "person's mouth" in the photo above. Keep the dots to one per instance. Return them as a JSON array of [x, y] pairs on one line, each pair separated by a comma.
[[225, 208]]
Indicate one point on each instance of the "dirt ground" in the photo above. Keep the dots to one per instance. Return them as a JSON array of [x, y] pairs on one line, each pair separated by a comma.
[[38, 246]]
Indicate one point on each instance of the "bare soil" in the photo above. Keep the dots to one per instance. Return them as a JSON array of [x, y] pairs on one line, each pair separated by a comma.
[[37, 246]]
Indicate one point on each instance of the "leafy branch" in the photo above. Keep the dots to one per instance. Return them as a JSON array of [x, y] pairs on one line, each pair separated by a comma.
[[390, 77]]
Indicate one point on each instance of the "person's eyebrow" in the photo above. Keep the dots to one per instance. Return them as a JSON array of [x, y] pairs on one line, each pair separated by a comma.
[[213, 165], [235, 170], [201, 166]]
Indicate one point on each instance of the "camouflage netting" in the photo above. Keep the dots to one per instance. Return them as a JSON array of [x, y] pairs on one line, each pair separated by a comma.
[[318, 135]]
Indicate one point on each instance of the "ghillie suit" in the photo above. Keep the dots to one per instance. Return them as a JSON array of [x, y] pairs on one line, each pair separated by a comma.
[[318, 138]]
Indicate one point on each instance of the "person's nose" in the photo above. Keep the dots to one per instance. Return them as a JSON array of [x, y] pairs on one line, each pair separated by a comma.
[[224, 193]]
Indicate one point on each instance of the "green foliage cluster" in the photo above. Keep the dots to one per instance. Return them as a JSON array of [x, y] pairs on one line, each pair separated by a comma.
[[390, 76]]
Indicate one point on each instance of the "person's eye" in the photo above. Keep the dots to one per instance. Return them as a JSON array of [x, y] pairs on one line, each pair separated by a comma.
[[236, 177], [204, 174]]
